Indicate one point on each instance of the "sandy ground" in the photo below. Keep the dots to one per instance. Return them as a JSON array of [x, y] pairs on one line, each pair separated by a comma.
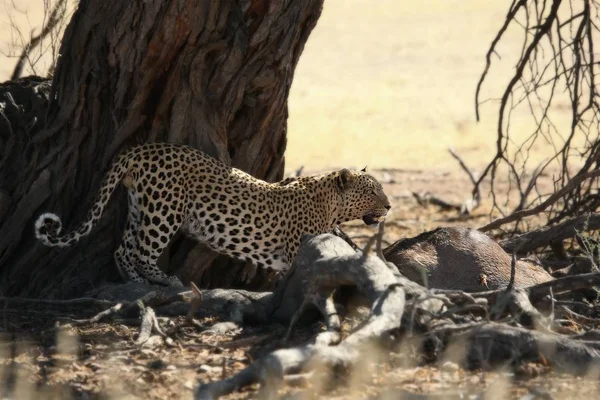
[[391, 84]]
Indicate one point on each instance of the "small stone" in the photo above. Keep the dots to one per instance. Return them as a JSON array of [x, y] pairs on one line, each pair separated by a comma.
[[189, 385], [450, 366], [153, 342], [148, 353], [204, 369], [411, 387], [565, 386], [221, 328]]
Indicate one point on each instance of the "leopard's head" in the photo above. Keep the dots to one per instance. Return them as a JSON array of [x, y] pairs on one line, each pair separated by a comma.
[[363, 197]]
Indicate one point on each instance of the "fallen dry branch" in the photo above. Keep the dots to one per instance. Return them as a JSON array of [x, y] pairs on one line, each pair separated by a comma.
[[340, 233], [491, 344], [79, 302], [326, 262], [400, 307], [464, 209], [548, 235], [471, 204], [567, 188], [147, 325], [272, 369], [568, 283], [428, 198], [539, 291], [524, 304], [99, 317], [107, 309]]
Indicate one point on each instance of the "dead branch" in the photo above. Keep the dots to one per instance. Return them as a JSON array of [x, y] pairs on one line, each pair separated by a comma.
[[195, 301], [574, 182], [340, 233], [468, 206], [557, 63], [399, 306], [537, 293], [324, 263], [514, 9], [271, 370], [379, 241], [98, 317], [530, 186], [56, 15], [568, 283], [79, 302], [148, 318], [496, 344], [545, 236], [427, 198], [367, 237]]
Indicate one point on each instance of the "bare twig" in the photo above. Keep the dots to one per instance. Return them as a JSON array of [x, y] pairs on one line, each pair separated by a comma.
[[148, 318], [195, 302], [337, 231], [98, 317], [468, 206], [558, 52], [513, 271], [55, 17], [427, 198], [574, 182]]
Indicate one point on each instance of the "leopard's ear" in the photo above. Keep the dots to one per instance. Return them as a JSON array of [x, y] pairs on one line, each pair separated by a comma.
[[344, 179], [364, 169]]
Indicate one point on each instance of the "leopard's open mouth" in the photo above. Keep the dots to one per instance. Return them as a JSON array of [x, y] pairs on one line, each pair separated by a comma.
[[373, 219]]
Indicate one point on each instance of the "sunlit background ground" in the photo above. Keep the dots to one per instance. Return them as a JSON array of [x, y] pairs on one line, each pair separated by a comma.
[[383, 83]]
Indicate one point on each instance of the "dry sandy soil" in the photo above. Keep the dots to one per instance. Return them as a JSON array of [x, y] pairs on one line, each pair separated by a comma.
[[386, 83]]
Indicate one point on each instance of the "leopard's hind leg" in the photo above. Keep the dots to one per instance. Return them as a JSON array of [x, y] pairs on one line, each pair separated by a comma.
[[154, 234], [125, 254]]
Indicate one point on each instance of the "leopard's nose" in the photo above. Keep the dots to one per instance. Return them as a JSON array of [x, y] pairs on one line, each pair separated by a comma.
[[388, 206]]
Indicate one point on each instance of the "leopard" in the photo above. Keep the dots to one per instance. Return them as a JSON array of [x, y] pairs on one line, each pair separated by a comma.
[[173, 187]]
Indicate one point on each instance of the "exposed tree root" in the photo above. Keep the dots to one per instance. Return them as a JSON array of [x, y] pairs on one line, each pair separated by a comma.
[[501, 327], [399, 308], [491, 344]]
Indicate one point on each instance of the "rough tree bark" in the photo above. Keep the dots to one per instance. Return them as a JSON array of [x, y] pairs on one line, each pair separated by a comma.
[[213, 74]]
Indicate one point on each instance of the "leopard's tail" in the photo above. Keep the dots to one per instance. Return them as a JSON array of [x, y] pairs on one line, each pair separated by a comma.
[[48, 225]]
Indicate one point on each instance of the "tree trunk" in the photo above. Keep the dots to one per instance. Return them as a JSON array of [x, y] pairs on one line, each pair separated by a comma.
[[212, 74]]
